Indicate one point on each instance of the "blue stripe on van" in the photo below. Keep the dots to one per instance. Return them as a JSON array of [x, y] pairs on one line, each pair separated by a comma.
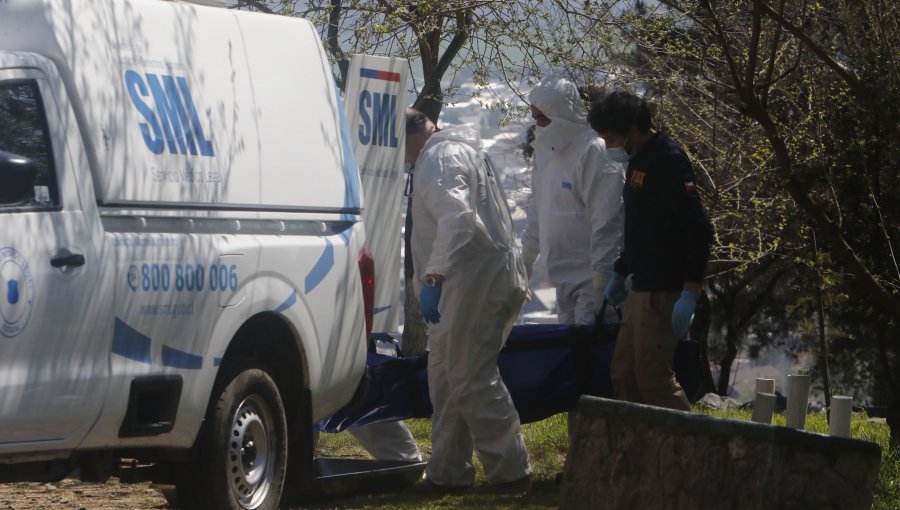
[[130, 343], [172, 357], [289, 302], [382, 309], [321, 269], [351, 170]]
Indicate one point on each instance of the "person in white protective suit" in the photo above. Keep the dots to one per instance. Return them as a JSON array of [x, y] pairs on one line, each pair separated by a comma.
[[576, 216], [385, 441], [390, 440], [471, 283]]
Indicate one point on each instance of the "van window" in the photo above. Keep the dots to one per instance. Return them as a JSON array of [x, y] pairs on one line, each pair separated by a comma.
[[23, 131]]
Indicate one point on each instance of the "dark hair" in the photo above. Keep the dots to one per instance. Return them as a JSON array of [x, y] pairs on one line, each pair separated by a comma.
[[618, 111], [415, 121], [527, 149], [591, 94]]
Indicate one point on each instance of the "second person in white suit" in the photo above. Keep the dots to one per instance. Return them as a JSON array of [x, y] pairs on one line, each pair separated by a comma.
[[576, 217]]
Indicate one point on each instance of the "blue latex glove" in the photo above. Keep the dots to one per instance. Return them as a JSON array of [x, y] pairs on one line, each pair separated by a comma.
[[682, 313], [615, 290], [428, 304]]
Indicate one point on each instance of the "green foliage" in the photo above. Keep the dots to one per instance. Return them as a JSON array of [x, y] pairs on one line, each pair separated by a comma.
[[783, 124], [789, 131]]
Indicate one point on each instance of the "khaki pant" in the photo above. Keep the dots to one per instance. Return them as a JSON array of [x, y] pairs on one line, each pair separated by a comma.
[[641, 368]]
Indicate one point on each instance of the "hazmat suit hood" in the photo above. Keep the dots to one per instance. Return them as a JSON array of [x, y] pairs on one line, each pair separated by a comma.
[[575, 216], [465, 133], [559, 100], [462, 214]]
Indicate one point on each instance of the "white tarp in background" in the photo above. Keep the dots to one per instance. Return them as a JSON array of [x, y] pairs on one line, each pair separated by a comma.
[[374, 104]]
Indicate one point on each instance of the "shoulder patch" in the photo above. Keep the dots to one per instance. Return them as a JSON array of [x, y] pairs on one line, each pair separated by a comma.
[[637, 178]]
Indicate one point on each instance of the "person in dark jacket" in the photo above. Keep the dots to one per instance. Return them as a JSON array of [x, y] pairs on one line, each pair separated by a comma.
[[667, 242]]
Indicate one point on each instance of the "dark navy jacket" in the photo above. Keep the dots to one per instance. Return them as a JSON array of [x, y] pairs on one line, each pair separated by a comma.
[[667, 232]]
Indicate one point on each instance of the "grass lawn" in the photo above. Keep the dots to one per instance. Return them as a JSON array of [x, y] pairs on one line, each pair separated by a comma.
[[547, 444]]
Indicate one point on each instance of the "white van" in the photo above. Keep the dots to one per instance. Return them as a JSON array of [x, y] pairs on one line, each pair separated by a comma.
[[180, 247]]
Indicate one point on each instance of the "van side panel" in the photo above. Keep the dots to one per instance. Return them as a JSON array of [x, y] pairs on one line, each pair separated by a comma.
[[181, 298], [219, 107], [220, 186]]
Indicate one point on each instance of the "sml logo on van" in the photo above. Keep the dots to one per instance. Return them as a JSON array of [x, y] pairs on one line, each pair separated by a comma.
[[172, 119]]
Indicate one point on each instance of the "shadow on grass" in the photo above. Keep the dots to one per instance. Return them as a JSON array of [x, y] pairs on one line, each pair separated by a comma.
[[543, 494], [546, 441]]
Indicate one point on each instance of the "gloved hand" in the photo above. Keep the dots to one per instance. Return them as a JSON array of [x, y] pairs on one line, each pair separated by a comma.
[[428, 304], [611, 315], [528, 258], [615, 290], [682, 313]]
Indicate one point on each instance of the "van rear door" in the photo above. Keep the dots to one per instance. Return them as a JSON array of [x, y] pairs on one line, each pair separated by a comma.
[[55, 332]]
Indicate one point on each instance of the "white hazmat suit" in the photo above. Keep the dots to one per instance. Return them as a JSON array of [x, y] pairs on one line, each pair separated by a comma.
[[576, 216], [462, 230], [388, 441]]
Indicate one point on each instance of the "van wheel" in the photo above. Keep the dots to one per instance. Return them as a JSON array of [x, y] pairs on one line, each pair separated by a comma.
[[243, 452]]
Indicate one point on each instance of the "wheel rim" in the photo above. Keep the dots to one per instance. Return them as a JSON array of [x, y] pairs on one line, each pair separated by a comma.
[[252, 452]]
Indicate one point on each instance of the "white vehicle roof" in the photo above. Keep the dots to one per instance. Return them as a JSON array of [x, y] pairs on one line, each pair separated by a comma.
[[186, 104]]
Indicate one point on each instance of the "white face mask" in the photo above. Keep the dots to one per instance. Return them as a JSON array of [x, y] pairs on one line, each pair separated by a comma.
[[619, 154], [556, 136]]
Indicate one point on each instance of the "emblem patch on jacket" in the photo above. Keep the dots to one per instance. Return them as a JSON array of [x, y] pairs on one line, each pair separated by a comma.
[[637, 179]]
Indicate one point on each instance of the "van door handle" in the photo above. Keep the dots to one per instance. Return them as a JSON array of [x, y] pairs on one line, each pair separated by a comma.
[[65, 258]]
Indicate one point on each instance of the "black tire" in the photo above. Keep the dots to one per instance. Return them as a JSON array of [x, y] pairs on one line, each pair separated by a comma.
[[242, 451]]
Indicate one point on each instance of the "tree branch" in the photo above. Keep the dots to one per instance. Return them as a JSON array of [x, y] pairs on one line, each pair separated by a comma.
[[334, 46], [776, 41], [750, 71], [870, 100], [880, 296], [259, 5], [463, 20], [726, 47]]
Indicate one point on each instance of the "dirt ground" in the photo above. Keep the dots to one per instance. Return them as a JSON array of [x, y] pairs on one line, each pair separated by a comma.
[[72, 494]]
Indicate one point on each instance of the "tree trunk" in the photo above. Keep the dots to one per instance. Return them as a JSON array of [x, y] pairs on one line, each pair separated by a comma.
[[823, 345], [414, 330], [700, 334], [731, 351], [893, 421]]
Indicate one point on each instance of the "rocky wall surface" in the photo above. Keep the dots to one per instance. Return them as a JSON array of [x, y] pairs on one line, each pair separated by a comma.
[[630, 456]]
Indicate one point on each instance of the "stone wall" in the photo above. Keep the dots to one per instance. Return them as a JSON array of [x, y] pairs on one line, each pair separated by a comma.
[[630, 456]]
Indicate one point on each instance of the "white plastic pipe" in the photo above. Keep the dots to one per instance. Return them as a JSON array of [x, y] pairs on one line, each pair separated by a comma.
[[841, 410], [765, 386], [797, 400], [763, 407]]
